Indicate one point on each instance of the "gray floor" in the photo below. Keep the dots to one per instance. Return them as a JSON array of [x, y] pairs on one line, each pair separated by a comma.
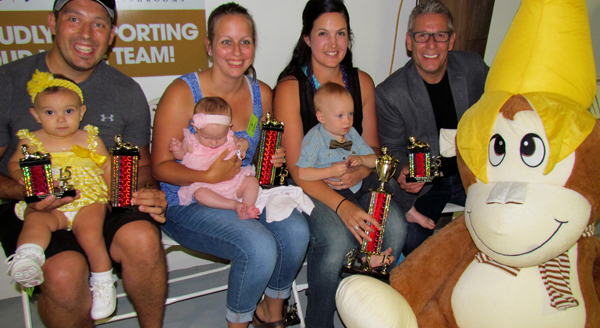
[[206, 311]]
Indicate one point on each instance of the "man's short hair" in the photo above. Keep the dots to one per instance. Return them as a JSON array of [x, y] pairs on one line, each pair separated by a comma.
[[109, 5], [329, 89], [430, 7]]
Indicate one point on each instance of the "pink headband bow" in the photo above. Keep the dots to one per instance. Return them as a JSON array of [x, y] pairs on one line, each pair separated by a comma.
[[200, 120]]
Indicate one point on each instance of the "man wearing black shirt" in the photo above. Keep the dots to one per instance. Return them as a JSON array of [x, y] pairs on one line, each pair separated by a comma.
[[431, 92]]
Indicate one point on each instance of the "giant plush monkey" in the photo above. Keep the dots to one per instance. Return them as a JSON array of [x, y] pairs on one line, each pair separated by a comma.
[[524, 254]]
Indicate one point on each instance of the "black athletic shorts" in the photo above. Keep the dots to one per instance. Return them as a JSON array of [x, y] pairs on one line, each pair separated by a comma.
[[62, 240]]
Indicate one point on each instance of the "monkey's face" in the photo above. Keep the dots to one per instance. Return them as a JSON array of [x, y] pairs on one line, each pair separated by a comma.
[[523, 217]]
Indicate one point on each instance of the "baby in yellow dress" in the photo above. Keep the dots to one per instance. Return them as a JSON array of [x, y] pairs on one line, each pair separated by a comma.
[[58, 107]]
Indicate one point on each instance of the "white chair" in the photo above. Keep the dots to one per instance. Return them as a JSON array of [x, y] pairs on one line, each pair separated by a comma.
[[170, 246], [295, 290]]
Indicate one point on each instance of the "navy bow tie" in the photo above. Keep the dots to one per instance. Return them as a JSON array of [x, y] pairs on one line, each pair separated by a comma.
[[334, 144]]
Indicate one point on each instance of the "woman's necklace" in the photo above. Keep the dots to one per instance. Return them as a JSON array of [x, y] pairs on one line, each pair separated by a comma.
[[314, 83]]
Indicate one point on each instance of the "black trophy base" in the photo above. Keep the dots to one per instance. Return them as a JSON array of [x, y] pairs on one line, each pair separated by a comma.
[[35, 199], [375, 273], [437, 179], [65, 193]]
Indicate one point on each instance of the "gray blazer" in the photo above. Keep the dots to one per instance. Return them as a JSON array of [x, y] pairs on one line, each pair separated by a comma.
[[404, 109]]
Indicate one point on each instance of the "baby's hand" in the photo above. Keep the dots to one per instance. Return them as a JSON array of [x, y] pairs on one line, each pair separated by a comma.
[[242, 145], [175, 145], [338, 169], [354, 160]]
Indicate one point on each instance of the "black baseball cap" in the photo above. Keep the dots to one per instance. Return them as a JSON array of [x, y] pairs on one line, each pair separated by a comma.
[[109, 5]]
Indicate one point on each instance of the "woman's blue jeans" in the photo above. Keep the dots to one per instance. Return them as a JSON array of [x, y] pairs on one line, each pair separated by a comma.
[[265, 257], [330, 241]]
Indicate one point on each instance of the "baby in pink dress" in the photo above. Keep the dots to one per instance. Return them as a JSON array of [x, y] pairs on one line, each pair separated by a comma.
[[212, 121]]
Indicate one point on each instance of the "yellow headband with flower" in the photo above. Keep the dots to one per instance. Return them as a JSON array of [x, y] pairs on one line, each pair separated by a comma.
[[43, 80]]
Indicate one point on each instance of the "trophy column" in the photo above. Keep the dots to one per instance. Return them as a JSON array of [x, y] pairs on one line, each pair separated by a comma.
[[37, 175], [270, 141], [124, 169], [421, 166]]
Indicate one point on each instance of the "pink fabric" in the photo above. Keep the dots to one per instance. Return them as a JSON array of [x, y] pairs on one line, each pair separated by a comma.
[[201, 159], [200, 120]]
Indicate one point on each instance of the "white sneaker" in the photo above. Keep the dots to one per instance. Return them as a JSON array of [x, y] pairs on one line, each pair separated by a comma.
[[104, 297], [25, 266]]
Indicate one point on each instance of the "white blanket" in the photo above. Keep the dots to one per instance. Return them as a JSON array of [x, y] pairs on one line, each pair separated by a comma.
[[281, 201]]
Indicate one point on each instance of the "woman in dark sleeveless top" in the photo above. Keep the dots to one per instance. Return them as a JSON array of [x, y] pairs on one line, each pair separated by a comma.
[[323, 55]]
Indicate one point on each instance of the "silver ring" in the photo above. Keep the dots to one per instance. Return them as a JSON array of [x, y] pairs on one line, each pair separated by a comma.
[[356, 228], [341, 184], [163, 210], [283, 160]]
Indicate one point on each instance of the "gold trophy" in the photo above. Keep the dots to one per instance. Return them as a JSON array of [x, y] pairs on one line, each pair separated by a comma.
[[64, 189], [270, 141], [422, 168], [379, 205], [124, 172]]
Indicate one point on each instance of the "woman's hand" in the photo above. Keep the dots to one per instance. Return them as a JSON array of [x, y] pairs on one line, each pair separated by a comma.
[[223, 169], [278, 159], [352, 176], [151, 201], [357, 220]]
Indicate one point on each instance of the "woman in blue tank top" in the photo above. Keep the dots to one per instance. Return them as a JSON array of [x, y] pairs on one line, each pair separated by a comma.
[[265, 257]]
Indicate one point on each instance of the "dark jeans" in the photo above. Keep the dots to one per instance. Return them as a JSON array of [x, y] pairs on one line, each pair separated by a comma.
[[330, 241], [431, 205]]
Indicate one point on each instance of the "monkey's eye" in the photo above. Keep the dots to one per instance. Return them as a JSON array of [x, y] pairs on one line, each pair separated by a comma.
[[496, 150], [532, 150]]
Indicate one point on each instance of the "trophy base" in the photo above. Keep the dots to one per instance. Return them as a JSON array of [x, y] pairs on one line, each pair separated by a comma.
[[66, 193], [438, 179], [128, 207], [35, 199], [375, 273]]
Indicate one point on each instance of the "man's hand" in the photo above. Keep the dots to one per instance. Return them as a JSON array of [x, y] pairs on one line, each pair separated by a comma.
[[151, 201], [50, 203], [410, 187]]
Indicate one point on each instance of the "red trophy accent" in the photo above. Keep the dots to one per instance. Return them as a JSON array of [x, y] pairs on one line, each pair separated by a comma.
[[37, 175], [270, 141], [420, 166], [124, 172]]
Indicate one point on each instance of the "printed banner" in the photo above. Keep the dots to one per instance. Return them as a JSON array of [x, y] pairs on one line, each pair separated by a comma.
[[153, 37]]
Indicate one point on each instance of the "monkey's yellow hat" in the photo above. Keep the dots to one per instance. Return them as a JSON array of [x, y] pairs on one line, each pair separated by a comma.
[[547, 57]]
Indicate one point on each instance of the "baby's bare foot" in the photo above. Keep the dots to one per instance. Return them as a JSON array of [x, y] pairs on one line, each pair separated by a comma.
[[414, 216], [246, 212], [252, 212]]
